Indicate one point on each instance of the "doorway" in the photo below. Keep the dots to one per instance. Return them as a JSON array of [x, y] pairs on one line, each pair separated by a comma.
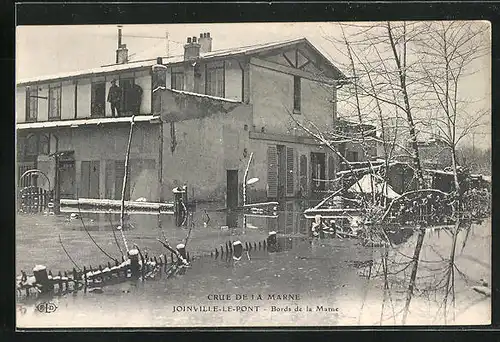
[[318, 171], [66, 179], [232, 189]]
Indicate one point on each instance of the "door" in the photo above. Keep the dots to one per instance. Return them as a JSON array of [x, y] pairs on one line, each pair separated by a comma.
[[232, 189], [89, 182], [318, 171], [66, 179]]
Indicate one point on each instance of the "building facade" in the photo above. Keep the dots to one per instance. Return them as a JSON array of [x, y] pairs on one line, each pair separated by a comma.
[[200, 117]]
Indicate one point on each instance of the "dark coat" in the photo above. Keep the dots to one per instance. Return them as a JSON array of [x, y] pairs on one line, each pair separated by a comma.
[[115, 94], [135, 95]]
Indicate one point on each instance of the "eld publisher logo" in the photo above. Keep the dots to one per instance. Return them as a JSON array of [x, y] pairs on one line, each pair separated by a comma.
[[46, 307]]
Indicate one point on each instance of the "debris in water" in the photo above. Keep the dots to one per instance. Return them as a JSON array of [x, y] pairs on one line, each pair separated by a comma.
[[96, 290]]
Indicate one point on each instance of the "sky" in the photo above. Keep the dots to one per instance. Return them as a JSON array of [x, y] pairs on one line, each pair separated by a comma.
[[46, 50]]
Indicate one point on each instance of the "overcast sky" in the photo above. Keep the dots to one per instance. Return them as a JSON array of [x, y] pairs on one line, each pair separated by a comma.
[[45, 50]]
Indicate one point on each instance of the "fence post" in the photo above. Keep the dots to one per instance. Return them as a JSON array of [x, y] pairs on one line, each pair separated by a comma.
[[42, 278]]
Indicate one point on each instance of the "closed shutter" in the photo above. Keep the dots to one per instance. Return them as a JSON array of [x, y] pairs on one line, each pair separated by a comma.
[[109, 181], [84, 179], [272, 172], [95, 169], [119, 173], [303, 173], [331, 171], [289, 171]]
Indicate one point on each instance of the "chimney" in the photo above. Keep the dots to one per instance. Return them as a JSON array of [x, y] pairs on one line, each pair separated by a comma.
[[122, 54], [122, 51], [205, 42], [191, 49]]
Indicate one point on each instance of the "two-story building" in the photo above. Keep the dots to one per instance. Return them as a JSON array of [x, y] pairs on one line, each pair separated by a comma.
[[200, 117]]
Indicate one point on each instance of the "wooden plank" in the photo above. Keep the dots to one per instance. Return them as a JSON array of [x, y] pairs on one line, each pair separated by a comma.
[[291, 71]]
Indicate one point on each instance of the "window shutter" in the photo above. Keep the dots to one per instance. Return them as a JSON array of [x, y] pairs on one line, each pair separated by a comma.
[[84, 179], [272, 172], [289, 172], [303, 173], [119, 173], [94, 172]]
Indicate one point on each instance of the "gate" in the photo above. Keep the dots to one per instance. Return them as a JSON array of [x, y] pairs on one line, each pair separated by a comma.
[[35, 199], [32, 198]]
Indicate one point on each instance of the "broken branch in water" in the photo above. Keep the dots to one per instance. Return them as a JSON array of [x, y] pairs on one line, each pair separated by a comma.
[[188, 235], [114, 234], [175, 251], [65, 251], [88, 233]]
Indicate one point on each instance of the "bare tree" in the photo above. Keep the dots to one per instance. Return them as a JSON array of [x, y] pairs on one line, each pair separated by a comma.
[[447, 54]]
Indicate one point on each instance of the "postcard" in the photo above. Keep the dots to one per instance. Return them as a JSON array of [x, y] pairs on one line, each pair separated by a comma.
[[253, 174]]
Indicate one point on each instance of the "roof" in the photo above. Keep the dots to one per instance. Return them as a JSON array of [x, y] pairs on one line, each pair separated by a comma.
[[84, 122], [147, 63]]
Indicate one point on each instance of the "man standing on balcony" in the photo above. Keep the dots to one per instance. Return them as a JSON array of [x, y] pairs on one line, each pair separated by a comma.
[[114, 98]]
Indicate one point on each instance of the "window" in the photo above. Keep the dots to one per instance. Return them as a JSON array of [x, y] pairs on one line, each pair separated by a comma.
[[352, 156], [215, 81], [44, 145], [98, 99], [127, 84], [159, 77], [177, 80], [296, 94], [31, 147], [31, 103], [55, 102]]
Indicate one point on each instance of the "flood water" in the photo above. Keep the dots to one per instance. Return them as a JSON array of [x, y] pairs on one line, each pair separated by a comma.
[[308, 281]]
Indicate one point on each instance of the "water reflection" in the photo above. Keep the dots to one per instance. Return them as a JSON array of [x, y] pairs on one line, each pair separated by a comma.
[[425, 276]]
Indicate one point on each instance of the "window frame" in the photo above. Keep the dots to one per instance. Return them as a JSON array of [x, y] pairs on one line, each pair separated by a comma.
[[28, 105], [92, 99], [173, 76], [49, 99], [297, 94], [209, 80]]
